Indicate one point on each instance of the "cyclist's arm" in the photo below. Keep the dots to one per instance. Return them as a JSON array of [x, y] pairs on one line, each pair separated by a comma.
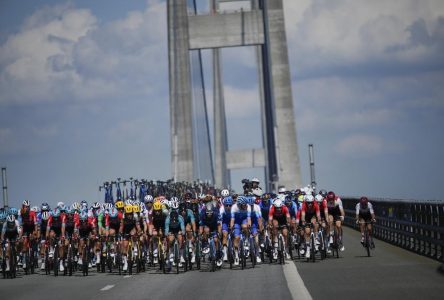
[[167, 225], [182, 224], [358, 206], [372, 212]]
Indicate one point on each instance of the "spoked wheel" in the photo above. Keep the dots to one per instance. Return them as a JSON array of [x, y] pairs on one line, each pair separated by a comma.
[[312, 248]]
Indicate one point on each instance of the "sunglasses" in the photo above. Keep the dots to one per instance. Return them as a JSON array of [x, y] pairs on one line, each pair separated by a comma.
[[227, 205]]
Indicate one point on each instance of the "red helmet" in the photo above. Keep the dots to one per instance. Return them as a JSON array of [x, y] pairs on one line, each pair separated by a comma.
[[363, 201], [331, 195]]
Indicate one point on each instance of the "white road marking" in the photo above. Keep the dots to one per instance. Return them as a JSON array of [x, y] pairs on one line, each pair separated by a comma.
[[295, 283], [127, 276], [108, 287]]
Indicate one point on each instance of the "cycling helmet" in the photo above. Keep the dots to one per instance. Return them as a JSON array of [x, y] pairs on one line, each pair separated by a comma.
[[174, 203], [25, 203], [258, 192], [319, 198], [323, 193], [364, 201], [227, 201], [13, 211], [128, 209], [56, 212], [209, 207], [277, 203], [119, 204], [136, 209], [255, 180], [282, 190], [165, 202], [84, 203], [60, 204], [288, 199], [44, 206], [148, 199], [75, 206], [331, 195], [83, 216], [63, 208], [70, 210], [157, 206], [309, 198], [35, 209], [96, 205], [10, 219], [142, 207], [241, 200], [113, 212], [108, 206], [225, 193], [2, 215]]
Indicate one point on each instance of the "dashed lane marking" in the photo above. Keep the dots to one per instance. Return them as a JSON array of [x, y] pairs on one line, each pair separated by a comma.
[[108, 287], [127, 276]]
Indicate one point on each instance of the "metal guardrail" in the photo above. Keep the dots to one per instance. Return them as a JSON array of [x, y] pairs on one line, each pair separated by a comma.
[[417, 226]]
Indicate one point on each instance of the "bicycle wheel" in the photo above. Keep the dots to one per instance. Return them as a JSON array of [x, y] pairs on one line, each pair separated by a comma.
[[13, 262], [367, 242], [198, 253], [230, 253], [56, 260], [176, 256], [290, 245], [281, 250]]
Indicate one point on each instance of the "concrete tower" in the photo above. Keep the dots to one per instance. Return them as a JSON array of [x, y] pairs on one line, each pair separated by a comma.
[[263, 27]]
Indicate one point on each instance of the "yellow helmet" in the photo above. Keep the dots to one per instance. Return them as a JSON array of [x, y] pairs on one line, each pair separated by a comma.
[[119, 204], [136, 208], [157, 206], [128, 209]]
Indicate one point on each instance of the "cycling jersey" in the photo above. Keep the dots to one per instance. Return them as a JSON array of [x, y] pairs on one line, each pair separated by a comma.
[[188, 216], [281, 215], [174, 223], [365, 213], [28, 219], [129, 224], [72, 222], [335, 206], [225, 217], [256, 214], [240, 217], [10, 231], [265, 210], [85, 228], [210, 222], [56, 223], [310, 211], [113, 223], [158, 219], [292, 209]]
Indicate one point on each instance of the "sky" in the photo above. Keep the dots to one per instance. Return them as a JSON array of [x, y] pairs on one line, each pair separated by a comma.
[[84, 95]]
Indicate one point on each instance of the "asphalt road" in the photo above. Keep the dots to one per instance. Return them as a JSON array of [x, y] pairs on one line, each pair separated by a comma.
[[390, 273]]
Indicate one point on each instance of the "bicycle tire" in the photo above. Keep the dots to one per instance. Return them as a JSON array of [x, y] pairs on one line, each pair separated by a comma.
[[367, 242], [56, 260], [176, 256]]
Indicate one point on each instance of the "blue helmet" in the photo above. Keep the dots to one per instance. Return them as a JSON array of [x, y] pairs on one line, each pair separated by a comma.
[[113, 212], [228, 201], [44, 206], [84, 203], [83, 216], [2, 215], [56, 212], [241, 200], [13, 211], [288, 199], [250, 200]]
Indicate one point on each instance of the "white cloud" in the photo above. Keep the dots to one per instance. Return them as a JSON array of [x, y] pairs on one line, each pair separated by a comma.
[[241, 103], [63, 53]]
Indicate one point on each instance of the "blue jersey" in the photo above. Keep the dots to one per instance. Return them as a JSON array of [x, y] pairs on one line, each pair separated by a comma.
[[292, 209], [173, 225], [224, 215], [240, 215]]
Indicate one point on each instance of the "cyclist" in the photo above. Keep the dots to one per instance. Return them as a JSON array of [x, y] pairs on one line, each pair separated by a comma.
[[256, 220], [28, 220], [42, 223], [225, 217], [310, 213], [10, 232], [293, 210], [365, 214], [335, 214], [174, 227], [156, 225], [86, 228], [240, 221], [55, 229], [190, 225], [72, 224], [129, 227], [209, 227], [278, 218]]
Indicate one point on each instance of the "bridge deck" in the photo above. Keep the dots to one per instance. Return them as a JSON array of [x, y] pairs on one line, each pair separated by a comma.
[[391, 273]]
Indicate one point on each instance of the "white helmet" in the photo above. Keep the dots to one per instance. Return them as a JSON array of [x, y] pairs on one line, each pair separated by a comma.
[[46, 215], [75, 206], [282, 189], [225, 193], [255, 180], [165, 202], [174, 203], [319, 198], [148, 198], [10, 218], [278, 203], [25, 203], [35, 209], [309, 198], [258, 192], [60, 204]]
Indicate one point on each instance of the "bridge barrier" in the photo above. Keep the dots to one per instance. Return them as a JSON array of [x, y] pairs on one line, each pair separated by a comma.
[[417, 226]]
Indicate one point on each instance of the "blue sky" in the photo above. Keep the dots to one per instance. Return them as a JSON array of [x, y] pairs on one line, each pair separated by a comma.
[[84, 95]]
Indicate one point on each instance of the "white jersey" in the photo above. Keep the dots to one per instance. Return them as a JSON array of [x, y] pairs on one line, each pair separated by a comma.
[[363, 211]]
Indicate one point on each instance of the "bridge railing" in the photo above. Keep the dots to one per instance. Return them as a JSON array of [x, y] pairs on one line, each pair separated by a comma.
[[417, 226]]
